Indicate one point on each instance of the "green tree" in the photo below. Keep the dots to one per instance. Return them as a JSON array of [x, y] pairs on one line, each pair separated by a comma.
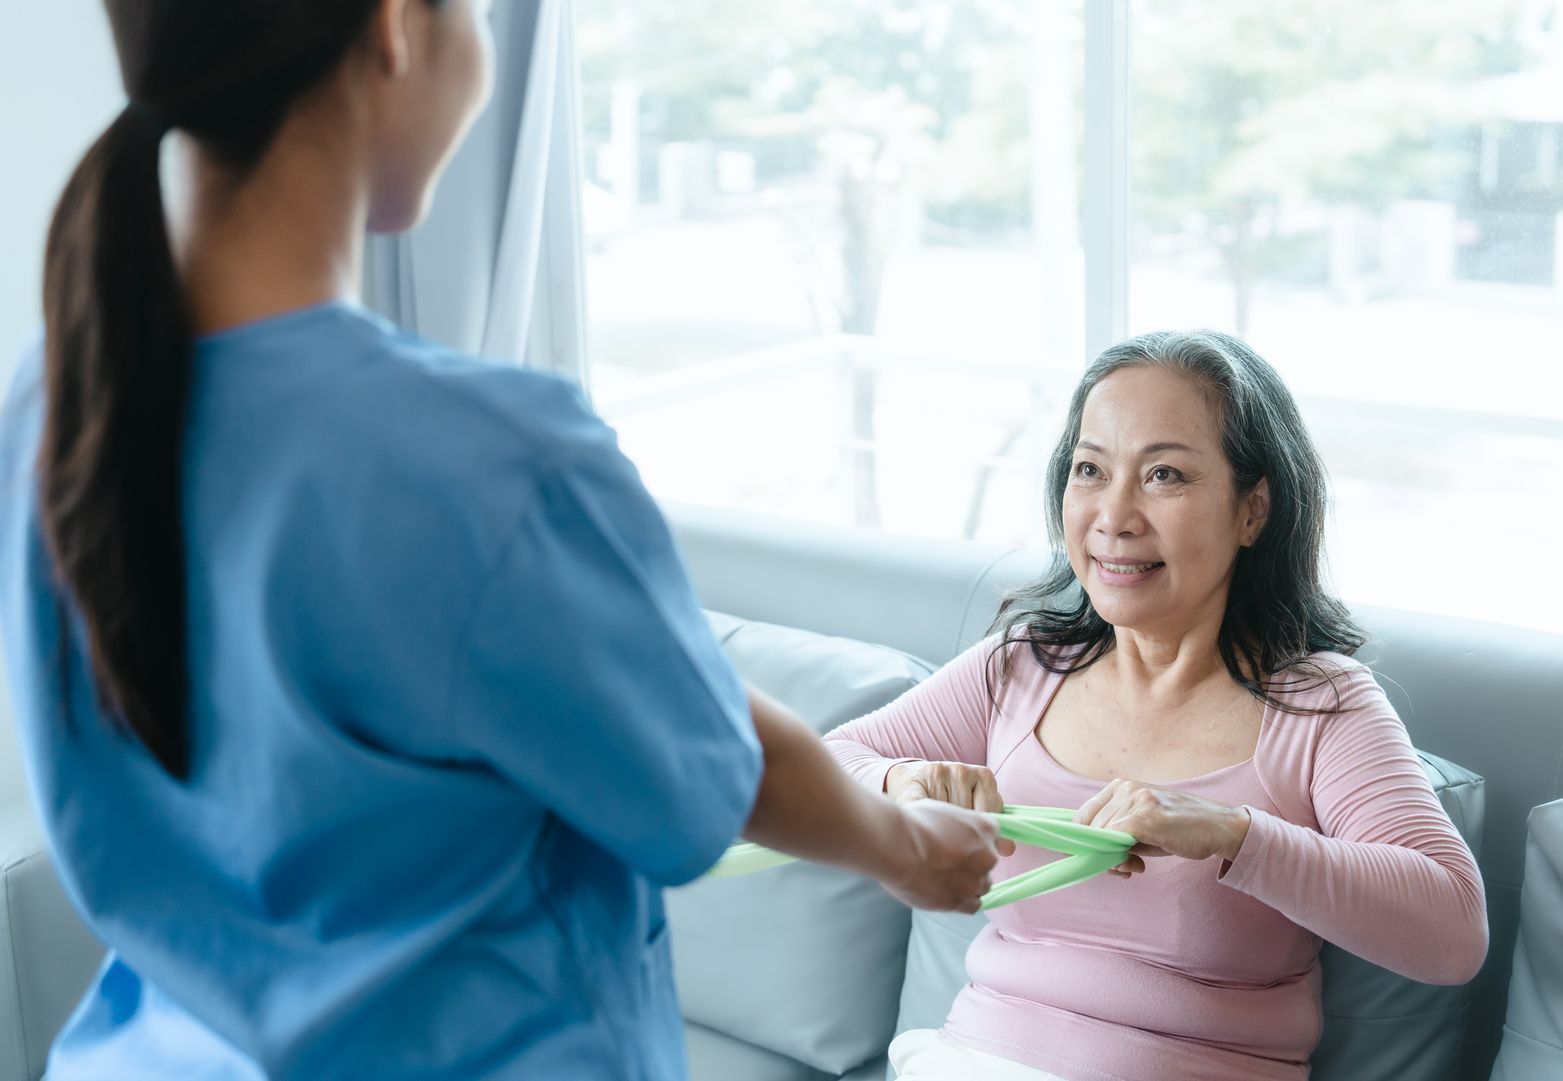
[[1243, 107]]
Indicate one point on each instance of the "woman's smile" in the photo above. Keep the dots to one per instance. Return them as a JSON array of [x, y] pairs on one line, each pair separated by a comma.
[[1124, 573]]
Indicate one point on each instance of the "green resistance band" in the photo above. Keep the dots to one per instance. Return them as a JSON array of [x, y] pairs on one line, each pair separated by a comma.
[[1088, 851]]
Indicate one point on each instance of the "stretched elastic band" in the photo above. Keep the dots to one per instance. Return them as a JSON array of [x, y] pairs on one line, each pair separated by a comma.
[[1088, 851]]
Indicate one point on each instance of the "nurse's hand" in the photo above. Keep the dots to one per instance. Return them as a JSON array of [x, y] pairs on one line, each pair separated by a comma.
[[945, 857]]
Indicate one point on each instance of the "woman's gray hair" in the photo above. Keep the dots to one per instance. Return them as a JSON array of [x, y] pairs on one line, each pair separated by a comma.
[[1278, 611]]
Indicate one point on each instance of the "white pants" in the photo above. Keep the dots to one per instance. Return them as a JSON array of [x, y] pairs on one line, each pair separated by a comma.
[[927, 1054]]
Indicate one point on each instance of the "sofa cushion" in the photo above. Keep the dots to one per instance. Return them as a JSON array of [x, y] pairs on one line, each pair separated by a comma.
[[1378, 1026], [47, 956], [1533, 1033], [802, 960], [1382, 1027], [715, 1055]]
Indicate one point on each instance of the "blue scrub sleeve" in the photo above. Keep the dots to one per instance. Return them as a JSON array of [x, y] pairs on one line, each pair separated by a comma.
[[590, 677]]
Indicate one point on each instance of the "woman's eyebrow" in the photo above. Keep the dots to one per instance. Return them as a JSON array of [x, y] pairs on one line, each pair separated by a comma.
[[1154, 448], [1157, 448]]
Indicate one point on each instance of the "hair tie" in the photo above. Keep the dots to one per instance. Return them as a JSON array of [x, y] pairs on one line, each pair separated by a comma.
[[150, 116]]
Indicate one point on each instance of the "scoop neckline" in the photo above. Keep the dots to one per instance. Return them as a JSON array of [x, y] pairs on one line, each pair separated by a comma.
[[1034, 735]]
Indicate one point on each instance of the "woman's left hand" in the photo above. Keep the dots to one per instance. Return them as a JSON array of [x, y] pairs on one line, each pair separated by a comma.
[[1166, 822]]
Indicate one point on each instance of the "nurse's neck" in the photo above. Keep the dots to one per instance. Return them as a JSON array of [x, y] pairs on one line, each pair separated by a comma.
[[288, 235]]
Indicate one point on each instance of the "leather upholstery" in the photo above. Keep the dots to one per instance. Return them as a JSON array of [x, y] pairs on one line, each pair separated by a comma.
[[801, 960], [47, 957], [1533, 1036]]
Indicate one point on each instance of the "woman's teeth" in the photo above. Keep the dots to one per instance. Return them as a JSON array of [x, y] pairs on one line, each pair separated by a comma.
[[1127, 568]]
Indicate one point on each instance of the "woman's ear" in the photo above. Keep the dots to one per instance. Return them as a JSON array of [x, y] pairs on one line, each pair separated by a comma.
[[1256, 507], [389, 38]]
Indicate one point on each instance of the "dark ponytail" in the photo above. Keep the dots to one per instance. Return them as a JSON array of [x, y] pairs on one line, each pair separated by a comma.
[[118, 332], [118, 348]]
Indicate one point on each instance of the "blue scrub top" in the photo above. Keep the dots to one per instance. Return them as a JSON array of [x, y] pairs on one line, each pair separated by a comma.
[[456, 718]]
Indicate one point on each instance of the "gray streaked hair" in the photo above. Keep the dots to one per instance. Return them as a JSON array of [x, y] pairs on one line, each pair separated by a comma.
[[1278, 611]]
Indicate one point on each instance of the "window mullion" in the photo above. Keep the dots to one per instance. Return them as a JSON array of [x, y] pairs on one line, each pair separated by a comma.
[[1106, 153]]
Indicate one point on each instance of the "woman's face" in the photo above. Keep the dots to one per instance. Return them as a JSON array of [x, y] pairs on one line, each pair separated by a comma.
[[436, 68], [1151, 519]]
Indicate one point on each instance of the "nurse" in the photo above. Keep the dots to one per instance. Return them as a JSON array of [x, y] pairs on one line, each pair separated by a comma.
[[363, 695]]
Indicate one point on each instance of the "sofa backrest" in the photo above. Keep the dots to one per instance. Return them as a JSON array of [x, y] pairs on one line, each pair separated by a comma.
[[1481, 695], [802, 961]]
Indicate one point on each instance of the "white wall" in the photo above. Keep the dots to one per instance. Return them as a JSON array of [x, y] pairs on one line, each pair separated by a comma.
[[59, 88]]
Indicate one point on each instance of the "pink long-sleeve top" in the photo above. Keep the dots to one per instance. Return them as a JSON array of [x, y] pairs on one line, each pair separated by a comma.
[[1196, 971]]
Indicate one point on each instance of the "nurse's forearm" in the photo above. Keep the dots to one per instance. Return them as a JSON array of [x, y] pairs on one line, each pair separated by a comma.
[[928, 854], [809, 807]]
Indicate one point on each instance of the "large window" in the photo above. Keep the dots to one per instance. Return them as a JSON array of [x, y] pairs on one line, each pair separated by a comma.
[[845, 260], [834, 253], [1371, 195]]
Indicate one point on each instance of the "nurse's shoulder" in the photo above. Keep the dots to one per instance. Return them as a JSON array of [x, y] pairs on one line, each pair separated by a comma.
[[337, 401], [448, 403]]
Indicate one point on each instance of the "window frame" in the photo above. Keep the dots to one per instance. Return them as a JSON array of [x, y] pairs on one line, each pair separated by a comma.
[[558, 331], [1106, 171], [560, 328]]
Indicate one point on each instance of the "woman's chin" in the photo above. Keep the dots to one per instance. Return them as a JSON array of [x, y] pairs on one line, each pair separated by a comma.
[[1127, 615]]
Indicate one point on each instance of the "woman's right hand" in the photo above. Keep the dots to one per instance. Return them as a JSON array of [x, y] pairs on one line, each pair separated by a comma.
[[950, 782], [946, 856]]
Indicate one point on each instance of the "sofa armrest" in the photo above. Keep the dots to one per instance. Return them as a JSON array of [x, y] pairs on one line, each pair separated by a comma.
[[1533, 1036], [47, 956]]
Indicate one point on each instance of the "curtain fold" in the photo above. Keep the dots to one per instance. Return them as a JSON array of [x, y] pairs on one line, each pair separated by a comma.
[[469, 276]]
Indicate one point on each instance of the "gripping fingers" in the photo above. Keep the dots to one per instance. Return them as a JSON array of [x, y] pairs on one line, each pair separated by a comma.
[[1108, 807], [972, 902], [1087, 813], [946, 786], [985, 793], [1128, 868]]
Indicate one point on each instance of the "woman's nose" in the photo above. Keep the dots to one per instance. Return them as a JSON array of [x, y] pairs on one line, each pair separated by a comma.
[[1118, 514]]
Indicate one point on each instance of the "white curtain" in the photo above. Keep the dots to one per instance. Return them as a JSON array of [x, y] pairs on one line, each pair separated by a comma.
[[495, 268]]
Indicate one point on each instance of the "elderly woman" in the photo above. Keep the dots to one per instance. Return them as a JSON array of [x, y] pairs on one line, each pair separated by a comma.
[[1196, 691]]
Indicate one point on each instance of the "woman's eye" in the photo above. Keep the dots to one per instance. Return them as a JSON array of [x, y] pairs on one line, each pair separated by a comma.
[[1164, 474], [1086, 470]]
